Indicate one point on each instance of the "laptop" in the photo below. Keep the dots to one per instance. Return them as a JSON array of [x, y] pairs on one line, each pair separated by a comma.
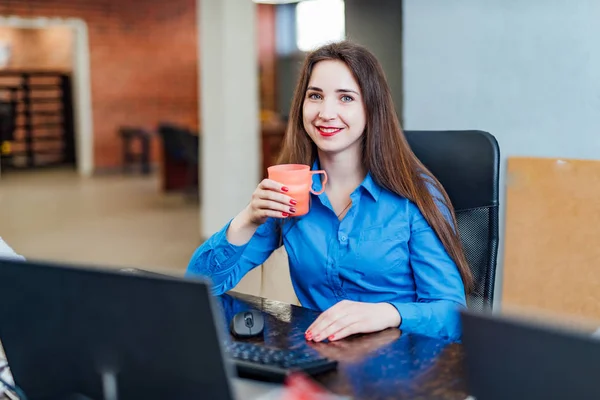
[[85, 333], [513, 358]]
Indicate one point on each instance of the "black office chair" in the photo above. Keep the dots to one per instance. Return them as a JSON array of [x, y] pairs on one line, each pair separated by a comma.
[[183, 145], [467, 164]]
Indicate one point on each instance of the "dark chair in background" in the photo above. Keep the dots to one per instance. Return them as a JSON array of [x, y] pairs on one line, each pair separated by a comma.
[[181, 158], [7, 132], [129, 136], [7, 120], [467, 164]]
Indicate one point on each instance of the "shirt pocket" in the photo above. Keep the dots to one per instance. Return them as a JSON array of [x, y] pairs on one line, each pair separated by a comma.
[[382, 248]]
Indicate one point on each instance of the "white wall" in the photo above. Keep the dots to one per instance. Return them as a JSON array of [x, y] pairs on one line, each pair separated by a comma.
[[377, 25], [526, 71], [229, 109]]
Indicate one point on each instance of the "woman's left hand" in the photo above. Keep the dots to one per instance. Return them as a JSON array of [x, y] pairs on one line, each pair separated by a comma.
[[349, 317], [353, 351]]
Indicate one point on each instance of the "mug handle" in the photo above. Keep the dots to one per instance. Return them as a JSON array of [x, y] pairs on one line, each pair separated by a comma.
[[322, 183]]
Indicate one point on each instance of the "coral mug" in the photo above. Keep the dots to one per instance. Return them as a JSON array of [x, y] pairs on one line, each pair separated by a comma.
[[298, 179]]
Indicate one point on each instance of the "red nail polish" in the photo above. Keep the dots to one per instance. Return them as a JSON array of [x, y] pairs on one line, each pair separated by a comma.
[[293, 202], [285, 214], [331, 337], [292, 210], [284, 189]]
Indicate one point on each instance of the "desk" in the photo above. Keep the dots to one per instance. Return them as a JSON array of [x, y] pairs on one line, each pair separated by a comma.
[[384, 365]]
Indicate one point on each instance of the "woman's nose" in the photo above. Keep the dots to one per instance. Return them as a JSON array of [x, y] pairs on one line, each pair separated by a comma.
[[327, 111]]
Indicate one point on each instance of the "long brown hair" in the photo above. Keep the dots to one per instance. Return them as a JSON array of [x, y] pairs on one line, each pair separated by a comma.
[[386, 153]]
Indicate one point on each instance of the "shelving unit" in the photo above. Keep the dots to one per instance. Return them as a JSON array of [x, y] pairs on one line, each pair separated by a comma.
[[37, 119]]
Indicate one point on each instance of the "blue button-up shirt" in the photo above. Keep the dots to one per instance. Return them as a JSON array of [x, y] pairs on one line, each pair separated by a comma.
[[383, 250]]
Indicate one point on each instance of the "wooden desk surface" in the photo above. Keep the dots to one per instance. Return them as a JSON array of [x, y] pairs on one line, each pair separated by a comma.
[[384, 365]]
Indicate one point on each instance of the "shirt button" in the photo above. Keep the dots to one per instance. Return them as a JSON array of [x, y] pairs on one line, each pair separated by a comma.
[[343, 238]]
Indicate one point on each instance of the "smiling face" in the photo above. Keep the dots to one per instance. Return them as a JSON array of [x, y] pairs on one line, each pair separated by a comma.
[[333, 111]]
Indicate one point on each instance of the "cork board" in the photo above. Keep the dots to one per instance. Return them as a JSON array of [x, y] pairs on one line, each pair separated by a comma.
[[552, 238]]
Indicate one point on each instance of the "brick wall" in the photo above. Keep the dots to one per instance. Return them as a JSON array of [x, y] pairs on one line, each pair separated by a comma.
[[267, 56], [143, 60]]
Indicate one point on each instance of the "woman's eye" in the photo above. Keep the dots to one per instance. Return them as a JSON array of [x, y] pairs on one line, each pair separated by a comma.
[[347, 99], [314, 96]]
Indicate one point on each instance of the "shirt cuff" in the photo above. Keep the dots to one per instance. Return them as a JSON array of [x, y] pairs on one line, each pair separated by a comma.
[[440, 319], [410, 315], [226, 254]]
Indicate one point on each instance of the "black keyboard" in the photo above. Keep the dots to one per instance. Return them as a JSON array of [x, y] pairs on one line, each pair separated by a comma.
[[266, 363]]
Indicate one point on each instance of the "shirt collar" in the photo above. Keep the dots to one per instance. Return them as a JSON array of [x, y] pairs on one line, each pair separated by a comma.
[[367, 184], [371, 186]]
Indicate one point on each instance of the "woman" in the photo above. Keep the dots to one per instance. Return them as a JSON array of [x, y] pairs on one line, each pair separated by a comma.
[[378, 249]]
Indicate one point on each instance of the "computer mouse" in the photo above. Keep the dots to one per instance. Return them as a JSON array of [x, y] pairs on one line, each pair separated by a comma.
[[247, 324]]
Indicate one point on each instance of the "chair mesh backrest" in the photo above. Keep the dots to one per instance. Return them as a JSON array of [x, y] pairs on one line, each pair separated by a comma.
[[475, 226], [467, 165]]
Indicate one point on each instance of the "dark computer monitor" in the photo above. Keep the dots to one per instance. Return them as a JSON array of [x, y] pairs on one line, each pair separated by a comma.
[[70, 330], [510, 358]]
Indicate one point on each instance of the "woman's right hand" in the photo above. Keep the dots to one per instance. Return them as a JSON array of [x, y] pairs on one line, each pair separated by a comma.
[[269, 200]]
